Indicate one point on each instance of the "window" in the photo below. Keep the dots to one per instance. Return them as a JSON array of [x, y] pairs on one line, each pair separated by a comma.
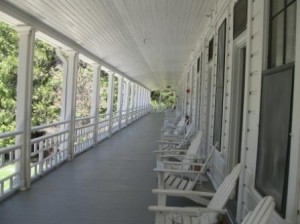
[[210, 49], [273, 144], [282, 32], [219, 85], [276, 105], [198, 64], [240, 17]]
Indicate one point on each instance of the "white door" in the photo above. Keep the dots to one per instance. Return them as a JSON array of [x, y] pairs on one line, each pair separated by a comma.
[[208, 105]]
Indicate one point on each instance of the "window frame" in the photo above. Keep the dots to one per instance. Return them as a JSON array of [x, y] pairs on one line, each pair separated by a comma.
[[270, 19], [223, 25], [286, 178], [237, 32], [211, 49]]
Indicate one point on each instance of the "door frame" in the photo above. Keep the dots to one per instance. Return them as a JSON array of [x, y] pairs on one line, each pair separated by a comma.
[[238, 45], [208, 104]]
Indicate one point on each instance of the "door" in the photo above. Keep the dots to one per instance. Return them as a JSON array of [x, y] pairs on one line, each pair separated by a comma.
[[240, 103], [236, 119], [208, 104]]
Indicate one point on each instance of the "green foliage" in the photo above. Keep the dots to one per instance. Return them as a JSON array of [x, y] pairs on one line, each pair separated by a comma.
[[103, 92], [47, 82], [8, 80], [168, 99], [115, 95], [84, 89], [47, 76]]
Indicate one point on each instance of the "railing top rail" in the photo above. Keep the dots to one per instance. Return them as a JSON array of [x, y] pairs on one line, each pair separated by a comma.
[[10, 148], [10, 176], [47, 136], [49, 125], [103, 121], [84, 118], [10, 134], [84, 126]]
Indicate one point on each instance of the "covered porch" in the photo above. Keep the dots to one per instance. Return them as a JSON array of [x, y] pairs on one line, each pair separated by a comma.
[[234, 69], [114, 179]]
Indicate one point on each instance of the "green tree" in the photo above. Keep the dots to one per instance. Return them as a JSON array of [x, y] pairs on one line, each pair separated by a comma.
[[103, 92], [8, 80], [115, 94], [84, 89], [46, 82], [168, 98]]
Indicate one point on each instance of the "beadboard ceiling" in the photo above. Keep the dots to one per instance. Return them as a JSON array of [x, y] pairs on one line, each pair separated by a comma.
[[148, 40]]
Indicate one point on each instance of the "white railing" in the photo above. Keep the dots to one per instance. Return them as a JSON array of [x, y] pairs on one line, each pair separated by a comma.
[[129, 116], [115, 122], [84, 132], [50, 149], [9, 157], [103, 127], [123, 119]]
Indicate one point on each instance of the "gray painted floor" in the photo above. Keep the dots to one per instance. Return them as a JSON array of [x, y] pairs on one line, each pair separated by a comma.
[[109, 184]]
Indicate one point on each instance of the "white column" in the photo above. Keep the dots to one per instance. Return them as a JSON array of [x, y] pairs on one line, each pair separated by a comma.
[[96, 100], [24, 99], [137, 100], [143, 100], [132, 90], [126, 101], [148, 100], [136, 96], [142, 97], [70, 98], [120, 99], [110, 98]]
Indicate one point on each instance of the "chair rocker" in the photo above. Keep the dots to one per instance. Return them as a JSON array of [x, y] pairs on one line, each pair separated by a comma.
[[196, 215]]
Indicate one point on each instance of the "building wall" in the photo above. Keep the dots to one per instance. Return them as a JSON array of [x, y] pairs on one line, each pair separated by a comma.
[[255, 39]]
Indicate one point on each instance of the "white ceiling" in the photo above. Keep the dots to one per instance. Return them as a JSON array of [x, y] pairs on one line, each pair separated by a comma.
[[149, 40]]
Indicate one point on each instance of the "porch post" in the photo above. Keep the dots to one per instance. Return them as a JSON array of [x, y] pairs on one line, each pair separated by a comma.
[[126, 100], [24, 99], [120, 99], [143, 100], [137, 97], [96, 100], [70, 98], [110, 98], [133, 101]]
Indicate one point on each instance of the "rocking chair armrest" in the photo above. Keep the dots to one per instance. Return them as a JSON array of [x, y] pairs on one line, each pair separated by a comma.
[[169, 142], [178, 171], [171, 192], [183, 163], [195, 211], [169, 152]]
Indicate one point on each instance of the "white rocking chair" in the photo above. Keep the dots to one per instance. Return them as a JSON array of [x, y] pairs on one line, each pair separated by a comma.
[[196, 215]]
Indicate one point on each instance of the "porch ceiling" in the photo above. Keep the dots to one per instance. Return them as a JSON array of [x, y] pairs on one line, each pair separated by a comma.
[[149, 40]]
